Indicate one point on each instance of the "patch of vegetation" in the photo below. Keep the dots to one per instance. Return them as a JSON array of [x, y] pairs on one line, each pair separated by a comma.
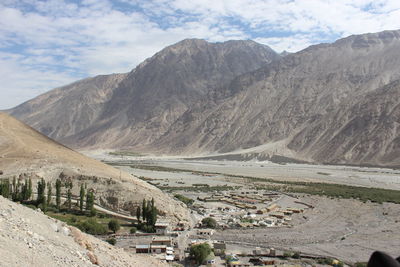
[[111, 241], [159, 168], [126, 153], [133, 230], [200, 252], [92, 226], [186, 200], [284, 160], [114, 225], [209, 223], [198, 188], [146, 216], [378, 195], [323, 173], [246, 220]]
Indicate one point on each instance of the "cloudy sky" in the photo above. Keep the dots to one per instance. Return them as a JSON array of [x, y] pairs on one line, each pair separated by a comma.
[[46, 44]]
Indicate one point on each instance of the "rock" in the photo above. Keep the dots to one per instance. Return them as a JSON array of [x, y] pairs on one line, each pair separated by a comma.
[[65, 231], [54, 226], [93, 259]]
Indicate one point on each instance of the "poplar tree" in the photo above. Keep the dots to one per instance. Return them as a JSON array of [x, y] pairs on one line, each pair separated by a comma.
[[41, 187], [69, 196], [29, 191], [49, 189], [81, 197], [144, 209], [58, 194], [138, 213]]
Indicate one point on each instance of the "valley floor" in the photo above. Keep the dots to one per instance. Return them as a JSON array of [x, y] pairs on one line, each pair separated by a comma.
[[347, 229]]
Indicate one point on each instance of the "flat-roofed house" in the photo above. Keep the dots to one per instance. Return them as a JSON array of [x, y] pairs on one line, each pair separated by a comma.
[[142, 248], [162, 228], [162, 240]]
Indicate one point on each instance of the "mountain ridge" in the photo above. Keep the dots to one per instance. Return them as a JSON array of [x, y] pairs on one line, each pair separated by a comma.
[[198, 98]]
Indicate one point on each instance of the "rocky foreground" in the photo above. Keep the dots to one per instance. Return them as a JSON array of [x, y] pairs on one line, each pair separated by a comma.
[[30, 238]]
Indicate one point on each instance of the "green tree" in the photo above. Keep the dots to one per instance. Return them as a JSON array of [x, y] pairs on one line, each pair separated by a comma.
[[200, 252], [13, 188], [81, 197], [111, 241], [152, 213], [209, 222], [26, 190], [69, 196], [58, 194], [144, 209], [114, 225], [41, 187], [49, 193], [5, 188], [90, 202], [138, 213], [30, 190], [148, 212]]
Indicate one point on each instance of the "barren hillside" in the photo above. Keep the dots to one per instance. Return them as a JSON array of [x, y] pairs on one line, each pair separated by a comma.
[[30, 238], [26, 152]]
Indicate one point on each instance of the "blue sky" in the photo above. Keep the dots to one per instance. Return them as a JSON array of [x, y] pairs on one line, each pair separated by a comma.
[[46, 44]]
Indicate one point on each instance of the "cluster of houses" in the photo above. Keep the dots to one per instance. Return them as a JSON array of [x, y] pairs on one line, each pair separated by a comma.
[[162, 245], [241, 200]]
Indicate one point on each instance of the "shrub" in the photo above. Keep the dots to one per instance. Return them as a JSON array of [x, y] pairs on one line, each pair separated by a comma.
[[147, 228], [296, 255], [200, 252], [209, 222], [287, 254], [113, 225], [91, 226], [133, 230], [111, 241], [186, 200]]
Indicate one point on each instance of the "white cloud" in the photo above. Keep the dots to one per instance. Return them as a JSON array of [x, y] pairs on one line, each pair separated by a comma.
[[44, 44]]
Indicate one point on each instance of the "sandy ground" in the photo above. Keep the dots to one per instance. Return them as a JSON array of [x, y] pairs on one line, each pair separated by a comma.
[[346, 229], [358, 176]]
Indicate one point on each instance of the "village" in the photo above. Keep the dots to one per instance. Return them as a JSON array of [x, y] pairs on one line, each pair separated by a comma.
[[218, 211]]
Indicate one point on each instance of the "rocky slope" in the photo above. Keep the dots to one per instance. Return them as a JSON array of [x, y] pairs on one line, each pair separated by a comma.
[[139, 107], [25, 152], [69, 109], [30, 238], [333, 103]]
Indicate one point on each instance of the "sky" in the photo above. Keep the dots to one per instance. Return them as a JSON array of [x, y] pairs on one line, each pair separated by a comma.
[[47, 44]]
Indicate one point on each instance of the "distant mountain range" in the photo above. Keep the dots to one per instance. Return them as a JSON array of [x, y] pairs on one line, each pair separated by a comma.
[[329, 103]]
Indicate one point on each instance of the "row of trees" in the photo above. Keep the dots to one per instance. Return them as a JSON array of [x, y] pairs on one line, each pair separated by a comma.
[[17, 190], [147, 215], [22, 192]]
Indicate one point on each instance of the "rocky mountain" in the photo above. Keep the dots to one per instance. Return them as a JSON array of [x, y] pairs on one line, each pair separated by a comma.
[[25, 152], [293, 102], [69, 109], [138, 107], [333, 103], [30, 238]]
